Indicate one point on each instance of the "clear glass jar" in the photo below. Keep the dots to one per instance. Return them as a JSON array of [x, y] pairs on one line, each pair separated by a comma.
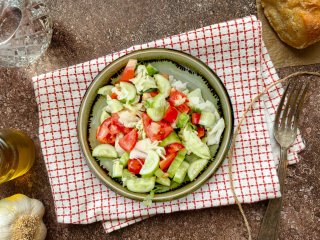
[[17, 154], [25, 31]]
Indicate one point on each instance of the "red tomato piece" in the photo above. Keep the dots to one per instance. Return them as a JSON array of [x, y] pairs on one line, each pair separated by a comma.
[[165, 163], [201, 132], [171, 114], [177, 98], [154, 93], [173, 147], [184, 108], [129, 140], [128, 72], [195, 118], [135, 165], [114, 96], [156, 130], [108, 130]]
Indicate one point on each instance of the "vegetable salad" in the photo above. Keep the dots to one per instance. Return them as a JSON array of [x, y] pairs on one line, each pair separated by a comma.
[[154, 132]]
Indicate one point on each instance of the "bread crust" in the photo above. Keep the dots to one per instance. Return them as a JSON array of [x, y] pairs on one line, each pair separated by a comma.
[[297, 22]]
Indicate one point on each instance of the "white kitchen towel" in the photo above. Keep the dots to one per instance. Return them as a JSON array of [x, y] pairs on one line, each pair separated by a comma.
[[235, 51]]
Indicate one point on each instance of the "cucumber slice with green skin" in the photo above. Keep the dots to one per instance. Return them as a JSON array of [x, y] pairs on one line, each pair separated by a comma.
[[182, 120], [126, 175], [151, 164], [141, 185], [105, 151], [181, 172], [129, 91], [176, 162], [117, 169], [151, 70], [156, 114], [124, 159], [172, 138], [114, 105], [208, 119], [196, 167], [163, 84], [150, 90], [163, 181], [106, 90], [159, 173], [195, 93], [104, 116]]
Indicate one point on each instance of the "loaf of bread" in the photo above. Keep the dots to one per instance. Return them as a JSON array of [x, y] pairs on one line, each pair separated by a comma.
[[297, 22]]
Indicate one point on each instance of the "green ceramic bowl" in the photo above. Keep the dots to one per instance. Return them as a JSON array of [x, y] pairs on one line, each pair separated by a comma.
[[212, 83]]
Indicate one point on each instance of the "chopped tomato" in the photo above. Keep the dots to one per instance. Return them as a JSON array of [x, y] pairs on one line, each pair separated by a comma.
[[165, 163], [135, 165], [109, 128], [201, 132], [129, 140], [154, 93], [177, 98], [156, 130], [114, 96], [184, 108], [128, 72], [171, 114], [195, 118], [174, 147]]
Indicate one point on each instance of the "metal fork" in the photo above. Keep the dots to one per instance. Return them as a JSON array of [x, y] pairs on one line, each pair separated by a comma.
[[285, 132]]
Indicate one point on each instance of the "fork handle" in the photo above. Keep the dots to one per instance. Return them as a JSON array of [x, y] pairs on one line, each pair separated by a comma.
[[271, 220]]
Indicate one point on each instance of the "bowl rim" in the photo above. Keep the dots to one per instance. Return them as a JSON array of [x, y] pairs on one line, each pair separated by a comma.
[[191, 62]]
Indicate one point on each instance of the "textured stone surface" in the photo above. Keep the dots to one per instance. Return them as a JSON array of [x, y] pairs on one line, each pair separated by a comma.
[[86, 29]]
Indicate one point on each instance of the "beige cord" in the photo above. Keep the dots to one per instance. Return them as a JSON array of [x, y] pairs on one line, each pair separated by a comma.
[[236, 132]]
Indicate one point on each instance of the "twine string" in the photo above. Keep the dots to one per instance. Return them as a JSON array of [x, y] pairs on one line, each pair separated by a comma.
[[237, 131]]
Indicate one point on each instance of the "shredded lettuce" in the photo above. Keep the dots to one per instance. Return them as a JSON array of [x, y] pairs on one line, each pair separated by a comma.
[[178, 85], [128, 118], [193, 143], [214, 134], [143, 81]]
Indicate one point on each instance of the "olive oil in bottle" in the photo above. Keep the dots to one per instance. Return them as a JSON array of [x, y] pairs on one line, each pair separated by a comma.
[[17, 154]]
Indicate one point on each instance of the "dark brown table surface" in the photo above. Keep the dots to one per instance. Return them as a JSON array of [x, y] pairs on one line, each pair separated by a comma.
[[86, 29]]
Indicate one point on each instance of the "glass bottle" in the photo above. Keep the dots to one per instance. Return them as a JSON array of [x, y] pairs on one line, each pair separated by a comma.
[[25, 31], [17, 154]]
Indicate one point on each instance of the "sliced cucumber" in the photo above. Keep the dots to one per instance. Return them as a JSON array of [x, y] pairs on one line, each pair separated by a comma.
[[181, 172], [159, 173], [128, 91], [182, 120], [163, 181], [141, 185], [151, 164], [106, 90], [124, 159], [163, 84], [105, 151], [117, 169], [196, 167], [177, 162], [172, 138], [207, 119], [156, 114], [151, 70], [104, 116], [126, 175], [114, 106], [157, 107]]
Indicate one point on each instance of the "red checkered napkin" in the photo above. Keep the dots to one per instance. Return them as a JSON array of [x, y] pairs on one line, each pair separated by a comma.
[[235, 51]]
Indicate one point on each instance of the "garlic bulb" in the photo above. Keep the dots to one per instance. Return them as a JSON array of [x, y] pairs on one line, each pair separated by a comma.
[[21, 218]]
